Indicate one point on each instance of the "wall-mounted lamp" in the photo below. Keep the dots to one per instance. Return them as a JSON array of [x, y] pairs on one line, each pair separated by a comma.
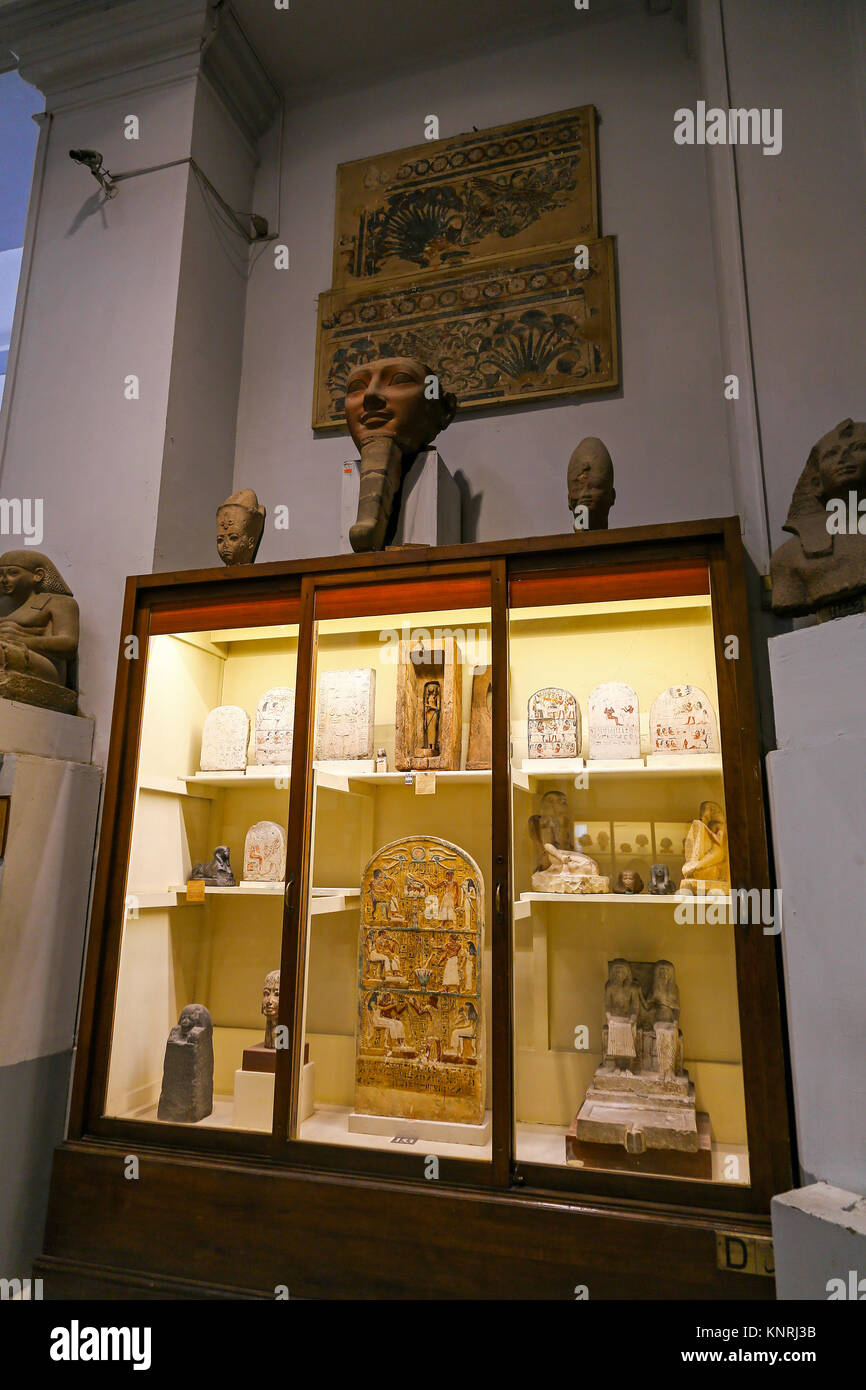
[[92, 160]]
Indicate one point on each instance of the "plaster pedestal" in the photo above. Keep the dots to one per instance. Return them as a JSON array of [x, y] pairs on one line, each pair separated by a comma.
[[441, 1130], [254, 1098], [819, 1242], [817, 780], [53, 793], [429, 503]]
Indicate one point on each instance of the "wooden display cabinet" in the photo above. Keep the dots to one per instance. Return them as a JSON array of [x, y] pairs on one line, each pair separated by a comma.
[[279, 1186]]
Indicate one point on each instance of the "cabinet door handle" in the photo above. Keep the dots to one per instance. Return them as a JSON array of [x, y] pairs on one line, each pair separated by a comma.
[[498, 898], [287, 896]]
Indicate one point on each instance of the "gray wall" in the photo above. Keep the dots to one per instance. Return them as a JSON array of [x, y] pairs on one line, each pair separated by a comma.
[[803, 220], [666, 428]]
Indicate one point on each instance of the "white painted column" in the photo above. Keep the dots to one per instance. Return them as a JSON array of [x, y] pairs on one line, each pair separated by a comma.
[[150, 285]]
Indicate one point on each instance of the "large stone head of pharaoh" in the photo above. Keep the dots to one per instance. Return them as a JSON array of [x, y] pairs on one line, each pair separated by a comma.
[[397, 398]]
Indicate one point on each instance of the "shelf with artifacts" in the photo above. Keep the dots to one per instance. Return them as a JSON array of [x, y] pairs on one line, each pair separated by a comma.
[[376, 991]]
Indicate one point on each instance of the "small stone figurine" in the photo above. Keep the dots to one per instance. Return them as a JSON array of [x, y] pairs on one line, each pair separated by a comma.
[[822, 569], [660, 879], [591, 492], [706, 868], [628, 881], [187, 1073], [240, 523], [38, 633], [391, 416], [217, 872]]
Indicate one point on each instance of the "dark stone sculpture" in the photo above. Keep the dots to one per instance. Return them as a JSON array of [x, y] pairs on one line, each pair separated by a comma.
[[38, 633], [187, 1073], [217, 872], [628, 881], [591, 492], [240, 524], [394, 407], [823, 566], [660, 879]]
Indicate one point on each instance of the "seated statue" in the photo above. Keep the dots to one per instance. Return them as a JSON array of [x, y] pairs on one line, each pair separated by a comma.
[[391, 417], [38, 634], [706, 868], [824, 564], [553, 826]]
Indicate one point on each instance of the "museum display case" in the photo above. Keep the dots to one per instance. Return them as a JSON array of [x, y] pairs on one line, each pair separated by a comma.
[[486, 810]]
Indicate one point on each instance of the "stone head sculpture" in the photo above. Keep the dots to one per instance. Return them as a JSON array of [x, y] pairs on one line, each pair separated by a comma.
[[394, 407], [825, 561], [271, 1004], [240, 523], [591, 493]]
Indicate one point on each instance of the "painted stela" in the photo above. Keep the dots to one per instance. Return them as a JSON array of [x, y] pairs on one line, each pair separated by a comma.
[[465, 198], [553, 723], [682, 720], [420, 1036]]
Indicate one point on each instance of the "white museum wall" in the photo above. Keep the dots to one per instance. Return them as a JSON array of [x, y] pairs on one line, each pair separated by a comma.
[[665, 427], [803, 213]]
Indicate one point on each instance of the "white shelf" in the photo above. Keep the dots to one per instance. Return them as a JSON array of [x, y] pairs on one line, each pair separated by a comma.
[[633, 898], [323, 900], [343, 782], [683, 765], [252, 776]]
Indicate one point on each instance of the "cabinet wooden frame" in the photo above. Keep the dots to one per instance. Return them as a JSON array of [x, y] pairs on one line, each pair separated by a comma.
[[210, 598]]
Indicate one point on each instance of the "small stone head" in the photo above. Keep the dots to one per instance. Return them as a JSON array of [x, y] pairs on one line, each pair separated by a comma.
[[271, 994], [240, 523], [590, 485], [398, 398], [620, 972], [193, 1016], [26, 572], [631, 881]]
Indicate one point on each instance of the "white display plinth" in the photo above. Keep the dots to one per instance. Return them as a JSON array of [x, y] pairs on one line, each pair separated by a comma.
[[817, 781], [360, 1123], [819, 1244], [254, 1098], [430, 507]]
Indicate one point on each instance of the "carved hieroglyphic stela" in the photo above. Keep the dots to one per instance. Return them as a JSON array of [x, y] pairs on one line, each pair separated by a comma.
[[345, 712], [224, 739], [275, 722], [429, 706], [682, 720], [420, 1033], [553, 723]]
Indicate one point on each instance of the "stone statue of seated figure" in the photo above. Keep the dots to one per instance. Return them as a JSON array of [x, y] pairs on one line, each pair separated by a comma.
[[38, 633], [706, 868]]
